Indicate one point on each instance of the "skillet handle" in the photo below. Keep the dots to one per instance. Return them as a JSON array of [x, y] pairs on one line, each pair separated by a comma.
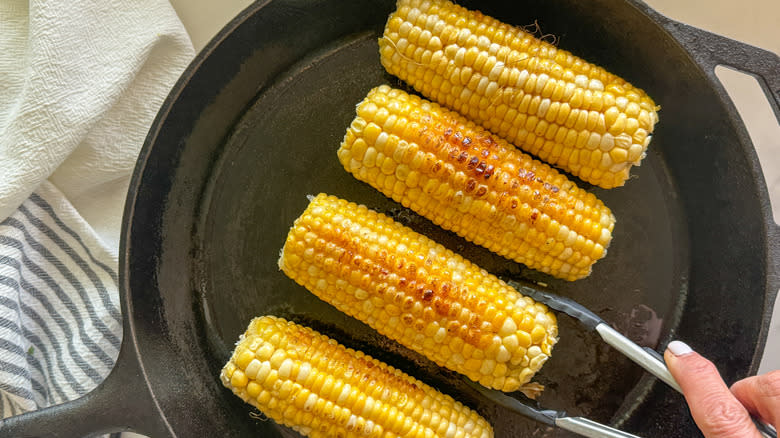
[[121, 400], [710, 50]]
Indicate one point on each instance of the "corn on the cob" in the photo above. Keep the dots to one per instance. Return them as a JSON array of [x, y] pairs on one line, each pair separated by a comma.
[[319, 388], [566, 111], [445, 168], [413, 290]]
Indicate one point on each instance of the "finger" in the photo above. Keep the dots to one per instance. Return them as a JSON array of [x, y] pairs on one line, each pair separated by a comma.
[[714, 408], [761, 395]]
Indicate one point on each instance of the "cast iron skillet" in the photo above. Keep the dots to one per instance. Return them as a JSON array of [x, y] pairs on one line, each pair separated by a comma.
[[253, 126]]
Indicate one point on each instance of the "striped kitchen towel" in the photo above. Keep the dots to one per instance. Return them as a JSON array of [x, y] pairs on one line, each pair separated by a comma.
[[60, 324]]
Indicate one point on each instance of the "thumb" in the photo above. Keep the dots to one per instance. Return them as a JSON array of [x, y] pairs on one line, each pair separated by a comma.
[[714, 408], [760, 395]]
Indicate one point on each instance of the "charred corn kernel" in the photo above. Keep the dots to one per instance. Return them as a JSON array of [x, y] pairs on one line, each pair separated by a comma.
[[517, 86], [471, 312], [481, 187], [351, 394]]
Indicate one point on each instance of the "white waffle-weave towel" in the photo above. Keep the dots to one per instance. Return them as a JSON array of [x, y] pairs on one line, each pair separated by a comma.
[[80, 84]]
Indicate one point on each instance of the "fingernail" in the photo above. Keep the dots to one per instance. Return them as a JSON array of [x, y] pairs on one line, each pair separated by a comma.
[[679, 348]]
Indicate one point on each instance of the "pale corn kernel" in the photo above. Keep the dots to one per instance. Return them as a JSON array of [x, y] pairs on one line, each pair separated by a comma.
[[264, 372], [511, 343], [623, 141], [344, 394], [285, 368], [252, 368], [607, 142], [596, 84], [440, 335], [635, 152], [594, 141], [487, 366], [537, 362], [640, 136], [534, 351], [509, 327], [303, 372], [621, 102], [503, 355]]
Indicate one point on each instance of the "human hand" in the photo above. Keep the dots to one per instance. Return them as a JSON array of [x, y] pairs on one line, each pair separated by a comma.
[[721, 412]]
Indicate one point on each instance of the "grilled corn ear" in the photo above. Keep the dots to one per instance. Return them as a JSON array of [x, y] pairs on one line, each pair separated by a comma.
[[413, 290], [464, 179], [319, 388], [564, 110]]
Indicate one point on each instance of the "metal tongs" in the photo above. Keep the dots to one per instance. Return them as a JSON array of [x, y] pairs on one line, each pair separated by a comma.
[[647, 358]]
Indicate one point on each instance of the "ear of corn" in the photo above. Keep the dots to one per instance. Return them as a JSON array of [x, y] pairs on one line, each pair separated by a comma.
[[419, 293], [562, 109], [447, 169], [319, 388]]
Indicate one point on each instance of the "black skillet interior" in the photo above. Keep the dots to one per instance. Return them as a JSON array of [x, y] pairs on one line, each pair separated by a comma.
[[254, 129]]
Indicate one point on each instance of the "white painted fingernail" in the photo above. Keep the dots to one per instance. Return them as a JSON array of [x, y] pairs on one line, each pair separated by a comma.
[[679, 348]]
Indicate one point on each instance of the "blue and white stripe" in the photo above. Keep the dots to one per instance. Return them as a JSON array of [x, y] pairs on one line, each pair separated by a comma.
[[60, 320]]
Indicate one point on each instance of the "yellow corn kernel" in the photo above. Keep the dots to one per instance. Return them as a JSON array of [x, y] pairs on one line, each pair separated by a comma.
[[373, 399]]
